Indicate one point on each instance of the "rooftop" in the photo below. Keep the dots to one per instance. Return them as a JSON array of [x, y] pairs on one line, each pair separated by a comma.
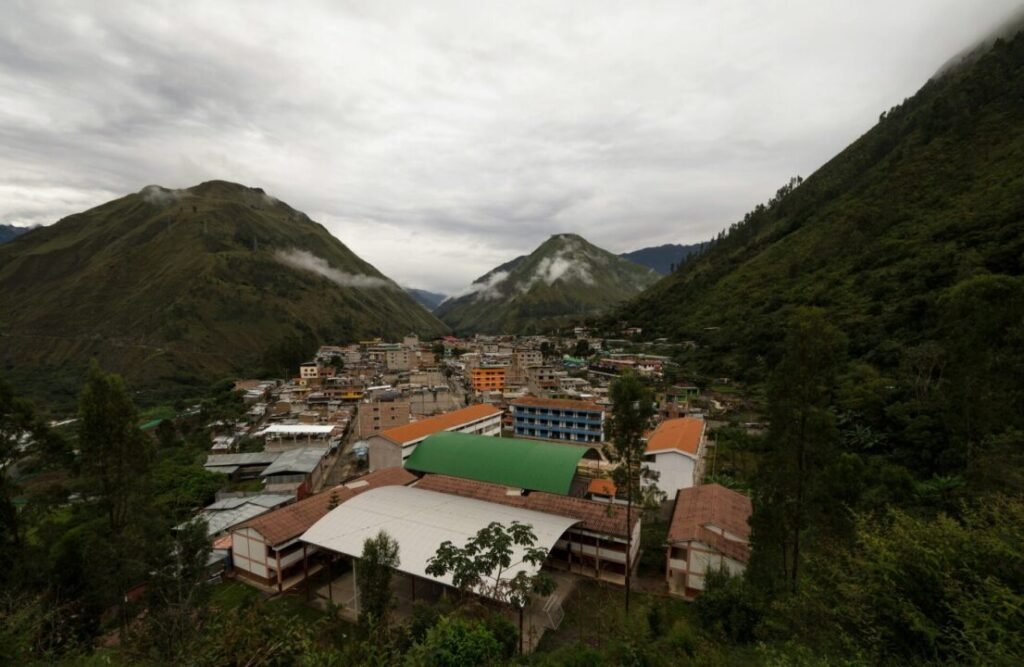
[[526, 464], [297, 429], [561, 403], [420, 520], [288, 522], [596, 516], [700, 512], [303, 460], [418, 430], [681, 435]]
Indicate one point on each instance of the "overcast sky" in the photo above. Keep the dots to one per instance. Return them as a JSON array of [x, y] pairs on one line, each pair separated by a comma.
[[439, 139]]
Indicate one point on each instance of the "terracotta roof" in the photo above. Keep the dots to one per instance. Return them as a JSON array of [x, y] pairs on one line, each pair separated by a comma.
[[563, 403], [683, 434], [449, 420], [290, 521], [601, 487], [598, 517], [698, 507]]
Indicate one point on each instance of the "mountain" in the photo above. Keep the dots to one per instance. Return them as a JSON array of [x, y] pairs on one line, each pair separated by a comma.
[[662, 258], [429, 300], [564, 280], [185, 286], [917, 215], [11, 232]]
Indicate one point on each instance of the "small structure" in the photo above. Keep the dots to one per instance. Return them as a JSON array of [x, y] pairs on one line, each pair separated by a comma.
[[709, 531], [531, 465], [266, 550], [674, 451], [279, 437], [247, 465], [392, 447], [227, 513], [296, 470]]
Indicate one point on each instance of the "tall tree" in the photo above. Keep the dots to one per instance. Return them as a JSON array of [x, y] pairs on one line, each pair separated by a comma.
[[632, 410], [788, 493], [373, 575], [115, 455]]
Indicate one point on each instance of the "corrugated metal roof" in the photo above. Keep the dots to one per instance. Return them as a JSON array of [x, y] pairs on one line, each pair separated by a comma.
[[244, 459], [527, 464], [303, 460], [420, 521], [298, 429]]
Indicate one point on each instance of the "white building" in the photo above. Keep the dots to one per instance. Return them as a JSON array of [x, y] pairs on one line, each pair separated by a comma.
[[674, 451]]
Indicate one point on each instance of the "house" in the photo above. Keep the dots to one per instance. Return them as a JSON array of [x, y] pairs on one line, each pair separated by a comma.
[[675, 450], [488, 378], [709, 531], [247, 465], [266, 550], [377, 416], [391, 447], [280, 437], [557, 419], [225, 514], [296, 471]]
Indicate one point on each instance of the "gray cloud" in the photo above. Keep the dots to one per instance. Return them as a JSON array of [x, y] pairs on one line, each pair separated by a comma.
[[440, 140]]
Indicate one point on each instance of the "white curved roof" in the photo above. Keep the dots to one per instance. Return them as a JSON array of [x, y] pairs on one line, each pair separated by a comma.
[[420, 520]]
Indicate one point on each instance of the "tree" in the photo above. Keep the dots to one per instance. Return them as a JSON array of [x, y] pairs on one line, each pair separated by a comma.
[[373, 576], [115, 455], [456, 642], [582, 349], [484, 564], [789, 491], [632, 409]]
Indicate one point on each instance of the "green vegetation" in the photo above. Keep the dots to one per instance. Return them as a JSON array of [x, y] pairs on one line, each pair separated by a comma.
[[565, 280], [175, 289]]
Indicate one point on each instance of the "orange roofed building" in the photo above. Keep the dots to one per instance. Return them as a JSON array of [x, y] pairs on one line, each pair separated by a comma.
[[390, 448], [709, 531], [675, 451]]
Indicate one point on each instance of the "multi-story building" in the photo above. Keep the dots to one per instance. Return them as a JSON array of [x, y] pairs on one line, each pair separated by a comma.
[[557, 419], [542, 378], [392, 447], [488, 378], [401, 359], [675, 451], [381, 415]]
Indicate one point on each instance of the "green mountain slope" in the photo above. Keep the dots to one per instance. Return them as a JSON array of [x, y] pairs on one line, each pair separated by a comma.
[[427, 299], [931, 197], [663, 258], [564, 280], [189, 285]]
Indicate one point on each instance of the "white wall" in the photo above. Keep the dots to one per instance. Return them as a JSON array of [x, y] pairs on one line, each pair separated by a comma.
[[676, 471]]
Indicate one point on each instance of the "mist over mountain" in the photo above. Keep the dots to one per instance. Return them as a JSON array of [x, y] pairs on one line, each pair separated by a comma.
[[564, 280], [185, 286]]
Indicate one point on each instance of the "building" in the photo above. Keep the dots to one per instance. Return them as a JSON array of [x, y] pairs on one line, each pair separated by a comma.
[[557, 419], [542, 378], [309, 371], [281, 437], [675, 451], [266, 550], [392, 447], [379, 416], [227, 513], [709, 531], [488, 378], [401, 359], [238, 467], [595, 546], [529, 465], [296, 471]]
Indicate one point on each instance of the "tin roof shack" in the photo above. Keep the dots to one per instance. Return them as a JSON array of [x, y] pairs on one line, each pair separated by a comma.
[[709, 531], [296, 471]]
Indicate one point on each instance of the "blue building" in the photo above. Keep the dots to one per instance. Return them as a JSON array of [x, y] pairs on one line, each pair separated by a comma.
[[557, 419]]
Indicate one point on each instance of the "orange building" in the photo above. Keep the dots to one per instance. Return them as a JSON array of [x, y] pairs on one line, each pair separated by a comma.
[[486, 378]]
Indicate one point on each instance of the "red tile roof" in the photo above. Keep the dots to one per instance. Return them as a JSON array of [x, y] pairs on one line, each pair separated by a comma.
[[288, 522], [563, 403], [699, 507], [683, 434], [449, 420], [598, 517]]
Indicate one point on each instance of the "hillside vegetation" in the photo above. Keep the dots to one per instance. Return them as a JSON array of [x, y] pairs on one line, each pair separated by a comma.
[[929, 200], [565, 280], [185, 286]]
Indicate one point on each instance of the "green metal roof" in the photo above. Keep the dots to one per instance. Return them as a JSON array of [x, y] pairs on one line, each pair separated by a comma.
[[526, 464]]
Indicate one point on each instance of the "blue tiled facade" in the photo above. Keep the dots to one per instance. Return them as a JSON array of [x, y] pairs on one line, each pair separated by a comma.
[[558, 423]]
